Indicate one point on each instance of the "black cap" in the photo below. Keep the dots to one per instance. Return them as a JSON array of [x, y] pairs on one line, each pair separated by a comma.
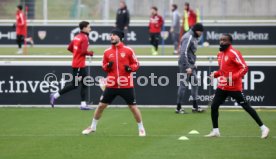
[[198, 27], [118, 32]]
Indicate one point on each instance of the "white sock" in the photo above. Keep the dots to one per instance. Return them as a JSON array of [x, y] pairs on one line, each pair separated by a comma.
[[94, 124], [56, 95], [83, 104], [263, 127], [216, 130], [140, 125]]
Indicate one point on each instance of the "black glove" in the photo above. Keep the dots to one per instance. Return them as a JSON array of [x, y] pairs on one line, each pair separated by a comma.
[[127, 68], [110, 64], [14, 25]]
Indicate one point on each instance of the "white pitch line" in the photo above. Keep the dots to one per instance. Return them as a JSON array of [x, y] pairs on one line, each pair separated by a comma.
[[103, 135]]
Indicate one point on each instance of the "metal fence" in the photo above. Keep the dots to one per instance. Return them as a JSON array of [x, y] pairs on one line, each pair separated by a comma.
[[139, 9]]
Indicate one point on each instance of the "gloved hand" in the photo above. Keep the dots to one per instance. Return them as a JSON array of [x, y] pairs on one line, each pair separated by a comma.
[[110, 64], [14, 25], [127, 68]]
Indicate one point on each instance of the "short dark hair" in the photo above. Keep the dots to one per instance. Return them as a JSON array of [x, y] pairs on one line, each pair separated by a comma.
[[154, 8], [229, 37], [20, 7], [83, 24], [187, 4], [174, 6]]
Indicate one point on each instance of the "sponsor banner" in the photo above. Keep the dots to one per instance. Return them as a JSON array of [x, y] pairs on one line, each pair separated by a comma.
[[32, 85], [138, 35]]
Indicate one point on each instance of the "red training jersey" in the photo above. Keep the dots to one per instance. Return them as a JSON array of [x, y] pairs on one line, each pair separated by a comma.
[[155, 24], [231, 66], [121, 56], [79, 47], [21, 25]]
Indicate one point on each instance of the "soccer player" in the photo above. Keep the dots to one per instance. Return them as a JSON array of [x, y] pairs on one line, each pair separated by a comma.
[[122, 18], [155, 26], [118, 61], [187, 65], [21, 28], [232, 68], [175, 28], [79, 47]]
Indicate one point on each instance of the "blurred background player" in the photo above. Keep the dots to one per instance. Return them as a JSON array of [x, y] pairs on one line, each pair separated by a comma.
[[123, 18], [119, 62], [189, 19], [175, 28], [187, 65], [79, 47], [155, 27], [21, 28], [232, 68]]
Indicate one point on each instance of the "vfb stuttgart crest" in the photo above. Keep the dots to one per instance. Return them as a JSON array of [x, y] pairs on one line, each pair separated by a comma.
[[123, 54], [42, 34]]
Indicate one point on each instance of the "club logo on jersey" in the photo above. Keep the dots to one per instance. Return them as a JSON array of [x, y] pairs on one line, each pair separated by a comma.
[[111, 56], [42, 34], [123, 54], [226, 58]]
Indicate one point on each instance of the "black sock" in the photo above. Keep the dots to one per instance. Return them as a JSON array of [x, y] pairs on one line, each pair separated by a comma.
[[195, 104], [178, 106]]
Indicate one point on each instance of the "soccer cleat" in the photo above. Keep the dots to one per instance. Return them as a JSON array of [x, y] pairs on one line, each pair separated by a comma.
[[197, 110], [213, 134], [52, 100], [85, 108], [155, 53], [142, 132], [88, 131], [265, 133], [181, 111], [19, 52]]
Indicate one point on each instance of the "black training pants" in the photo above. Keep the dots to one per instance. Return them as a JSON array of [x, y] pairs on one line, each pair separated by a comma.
[[219, 99], [154, 40], [78, 74]]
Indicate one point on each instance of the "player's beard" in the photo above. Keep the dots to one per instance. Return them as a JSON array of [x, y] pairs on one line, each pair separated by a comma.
[[223, 47], [114, 41]]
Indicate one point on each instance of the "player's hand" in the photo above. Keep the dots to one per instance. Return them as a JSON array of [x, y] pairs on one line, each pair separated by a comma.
[[212, 75], [171, 30], [125, 28], [110, 64], [189, 71], [14, 25], [127, 68]]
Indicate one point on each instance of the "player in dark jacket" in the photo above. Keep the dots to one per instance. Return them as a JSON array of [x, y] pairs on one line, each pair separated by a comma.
[[122, 17]]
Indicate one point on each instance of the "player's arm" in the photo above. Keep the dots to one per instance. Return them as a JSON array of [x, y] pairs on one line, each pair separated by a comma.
[[71, 47], [127, 19], [185, 46], [133, 63], [22, 20], [84, 48], [107, 65], [242, 66], [161, 21], [217, 73]]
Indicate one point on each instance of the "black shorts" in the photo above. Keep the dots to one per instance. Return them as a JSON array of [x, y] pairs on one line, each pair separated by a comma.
[[127, 94]]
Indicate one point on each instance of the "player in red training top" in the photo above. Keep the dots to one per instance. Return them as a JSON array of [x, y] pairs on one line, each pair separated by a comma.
[[232, 68], [119, 62], [79, 47]]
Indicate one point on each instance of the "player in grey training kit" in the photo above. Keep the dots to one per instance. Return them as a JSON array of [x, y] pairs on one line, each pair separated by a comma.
[[187, 61], [175, 28]]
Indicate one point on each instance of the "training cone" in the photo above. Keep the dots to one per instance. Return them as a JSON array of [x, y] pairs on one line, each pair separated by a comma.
[[183, 138], [193, 132]]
